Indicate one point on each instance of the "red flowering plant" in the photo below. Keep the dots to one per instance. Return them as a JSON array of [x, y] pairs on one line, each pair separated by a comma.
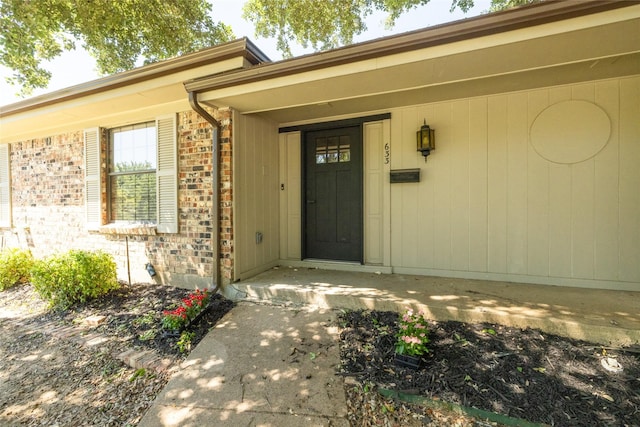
[[413, 334], [174, 320], [190, 307]]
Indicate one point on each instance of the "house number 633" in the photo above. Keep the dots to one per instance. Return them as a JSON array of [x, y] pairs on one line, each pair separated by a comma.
[[387, 153]]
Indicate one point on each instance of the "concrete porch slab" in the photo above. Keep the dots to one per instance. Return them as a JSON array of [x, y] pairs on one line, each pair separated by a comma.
[[601, 316]]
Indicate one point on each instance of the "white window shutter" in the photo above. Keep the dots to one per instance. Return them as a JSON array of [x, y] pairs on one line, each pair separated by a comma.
[[5, 187], [92, 199], [167, 174]]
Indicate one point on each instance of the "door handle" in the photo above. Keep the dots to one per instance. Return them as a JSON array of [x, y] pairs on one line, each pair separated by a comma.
[[311, 201]]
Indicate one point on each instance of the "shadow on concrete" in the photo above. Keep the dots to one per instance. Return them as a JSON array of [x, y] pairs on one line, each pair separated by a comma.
[[260, 365], [602, 316]]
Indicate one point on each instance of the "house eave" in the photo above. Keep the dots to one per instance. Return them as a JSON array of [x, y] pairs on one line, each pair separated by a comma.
[[466, 29], [233, 49]]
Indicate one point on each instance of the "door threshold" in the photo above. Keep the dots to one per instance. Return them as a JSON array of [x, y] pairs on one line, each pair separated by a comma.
[[331, 261], [323, 264]]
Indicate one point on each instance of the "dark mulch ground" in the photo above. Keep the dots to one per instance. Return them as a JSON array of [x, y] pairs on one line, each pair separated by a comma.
[[52, 380], [134, 314], [524, 374]]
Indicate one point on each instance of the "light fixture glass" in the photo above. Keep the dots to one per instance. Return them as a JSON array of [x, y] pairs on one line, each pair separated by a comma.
[[426, 140]]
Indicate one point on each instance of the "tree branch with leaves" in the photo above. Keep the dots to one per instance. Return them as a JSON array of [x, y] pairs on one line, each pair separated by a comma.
[[122, 34], [329, 24], [119, 34]]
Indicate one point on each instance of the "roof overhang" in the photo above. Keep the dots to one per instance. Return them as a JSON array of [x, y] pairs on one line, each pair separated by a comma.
[[546, 44], [128, 97]]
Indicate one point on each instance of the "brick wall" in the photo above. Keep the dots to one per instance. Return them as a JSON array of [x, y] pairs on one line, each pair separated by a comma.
[[48, 206], [226, 197]]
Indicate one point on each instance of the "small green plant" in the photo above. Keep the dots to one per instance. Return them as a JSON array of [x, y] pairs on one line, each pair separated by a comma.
[[413, 335], [15, 265], [184, 343], [463, 342], [147, 319], [147, 335], [74, 277], [137, 374]]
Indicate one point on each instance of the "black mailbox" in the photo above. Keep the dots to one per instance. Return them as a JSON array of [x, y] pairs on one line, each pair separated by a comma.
[[405, 175]]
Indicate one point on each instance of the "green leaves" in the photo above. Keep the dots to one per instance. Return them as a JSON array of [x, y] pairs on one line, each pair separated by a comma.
[[119, 34], [331, 23], [14, 267], [124, 34], [75, 276]]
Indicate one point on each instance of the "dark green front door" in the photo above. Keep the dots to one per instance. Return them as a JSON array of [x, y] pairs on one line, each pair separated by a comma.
[[333, 194]]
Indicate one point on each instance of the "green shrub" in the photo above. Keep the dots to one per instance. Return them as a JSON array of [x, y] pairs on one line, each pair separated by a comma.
[[74, 277], [14, 267]]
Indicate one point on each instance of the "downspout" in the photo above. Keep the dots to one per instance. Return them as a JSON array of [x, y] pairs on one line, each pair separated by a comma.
[[215, 235]]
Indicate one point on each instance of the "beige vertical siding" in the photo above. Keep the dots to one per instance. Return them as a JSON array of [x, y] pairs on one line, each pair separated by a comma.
[[376, 187], [629, 181], [489, 206], [290, 196], [256, 194]]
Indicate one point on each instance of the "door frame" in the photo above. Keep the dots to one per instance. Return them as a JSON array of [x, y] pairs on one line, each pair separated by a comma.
[[303, 129]]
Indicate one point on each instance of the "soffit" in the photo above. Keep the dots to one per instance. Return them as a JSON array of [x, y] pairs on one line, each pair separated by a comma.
[[119, 106], [580, 49]]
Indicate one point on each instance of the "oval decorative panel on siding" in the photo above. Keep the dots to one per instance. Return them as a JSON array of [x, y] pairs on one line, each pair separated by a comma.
[[570, 131]]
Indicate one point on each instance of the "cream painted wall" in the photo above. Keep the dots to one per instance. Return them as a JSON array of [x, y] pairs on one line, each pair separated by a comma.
[[377, 162], [489, 206], [256, 194], [290, 196]]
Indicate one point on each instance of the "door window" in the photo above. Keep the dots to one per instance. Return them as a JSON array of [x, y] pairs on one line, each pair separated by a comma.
[[333, 149]]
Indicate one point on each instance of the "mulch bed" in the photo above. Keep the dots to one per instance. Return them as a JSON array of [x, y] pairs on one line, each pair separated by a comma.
[[521, 373], [53, 380], [134, 315]]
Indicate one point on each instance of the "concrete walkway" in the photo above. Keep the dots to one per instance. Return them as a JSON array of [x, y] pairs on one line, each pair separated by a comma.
[[260, 366], [274, 365]]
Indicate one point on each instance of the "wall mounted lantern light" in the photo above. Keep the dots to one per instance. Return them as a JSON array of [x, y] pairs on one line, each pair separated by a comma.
[[426, 140]]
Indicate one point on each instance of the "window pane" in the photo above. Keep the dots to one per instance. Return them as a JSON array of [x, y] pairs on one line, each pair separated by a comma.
[[133, 148], [332, 149], [321, 150], [345, 149], [133, 197], [133, 151]]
